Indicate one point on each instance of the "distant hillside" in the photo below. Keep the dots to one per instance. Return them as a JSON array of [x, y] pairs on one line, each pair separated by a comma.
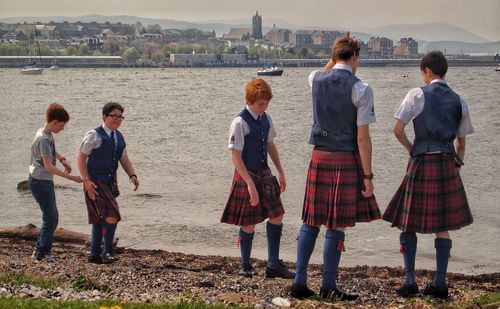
[[454, 47], [428, 32]]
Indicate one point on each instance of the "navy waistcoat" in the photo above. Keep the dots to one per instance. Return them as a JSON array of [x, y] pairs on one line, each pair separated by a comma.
[[255, 150], [436, 126], [334, 115], [102, 162]]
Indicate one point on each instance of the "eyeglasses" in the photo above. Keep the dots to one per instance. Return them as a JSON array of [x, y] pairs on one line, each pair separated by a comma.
[[116, 117]]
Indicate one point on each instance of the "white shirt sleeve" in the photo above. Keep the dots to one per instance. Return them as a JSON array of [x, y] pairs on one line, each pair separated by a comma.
[[311, 77], [237, 134], [90, 142], [465, 128], [412, 105], [362, 98], [272, 131]]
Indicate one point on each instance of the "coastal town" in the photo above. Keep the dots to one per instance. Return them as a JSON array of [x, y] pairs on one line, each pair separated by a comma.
[[108, 44]]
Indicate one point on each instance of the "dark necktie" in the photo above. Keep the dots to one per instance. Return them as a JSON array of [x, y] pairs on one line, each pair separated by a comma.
[[113, 139]]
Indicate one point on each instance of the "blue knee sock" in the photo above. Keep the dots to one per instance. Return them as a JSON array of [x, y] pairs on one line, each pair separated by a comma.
[[331, 257], [443, 248], [246, 240], [108, 233], [408, 242], [305, 247], [95, 244], [273, 244]]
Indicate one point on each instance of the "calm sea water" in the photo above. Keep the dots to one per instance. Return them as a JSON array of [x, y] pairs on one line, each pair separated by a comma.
[[176, 128]]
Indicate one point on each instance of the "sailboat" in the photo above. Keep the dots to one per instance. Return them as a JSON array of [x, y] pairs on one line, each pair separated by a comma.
[[32, 68], [274, 69], [54, 66]]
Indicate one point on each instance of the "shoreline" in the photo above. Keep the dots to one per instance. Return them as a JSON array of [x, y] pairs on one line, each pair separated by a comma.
[[161, 276]]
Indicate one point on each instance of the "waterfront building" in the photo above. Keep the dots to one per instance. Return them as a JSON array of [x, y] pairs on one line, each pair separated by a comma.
[[406, 48], [301, 38], [279, 36], [380, 47]]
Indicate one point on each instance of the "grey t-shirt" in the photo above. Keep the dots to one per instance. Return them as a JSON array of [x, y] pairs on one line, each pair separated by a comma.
[[42, 146]]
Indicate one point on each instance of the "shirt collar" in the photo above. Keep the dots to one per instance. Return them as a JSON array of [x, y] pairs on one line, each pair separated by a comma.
[[106, 129], [439, 80], [254, 115], [341, 66]]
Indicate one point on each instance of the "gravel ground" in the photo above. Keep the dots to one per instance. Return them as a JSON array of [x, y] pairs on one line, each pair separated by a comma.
[[158, 276]]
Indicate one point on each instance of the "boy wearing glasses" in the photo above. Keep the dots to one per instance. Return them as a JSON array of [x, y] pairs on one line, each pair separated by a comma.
[[100, 152]]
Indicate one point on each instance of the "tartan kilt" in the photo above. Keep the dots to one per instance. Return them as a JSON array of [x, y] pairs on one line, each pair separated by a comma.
[[333, 191], [104, 205], [238, 210], [431, 197]]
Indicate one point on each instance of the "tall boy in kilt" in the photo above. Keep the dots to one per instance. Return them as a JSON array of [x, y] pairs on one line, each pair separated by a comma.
[[100, 152], [339, 188], [431, 197], [251, 138]]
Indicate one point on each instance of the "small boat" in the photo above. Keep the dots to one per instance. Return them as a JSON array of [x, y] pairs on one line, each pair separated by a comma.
[[272, 70], [54, 66], [31, 69]]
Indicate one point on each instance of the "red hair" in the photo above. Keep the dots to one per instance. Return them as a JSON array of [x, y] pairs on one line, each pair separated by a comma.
[[56, 112], [258, 89]]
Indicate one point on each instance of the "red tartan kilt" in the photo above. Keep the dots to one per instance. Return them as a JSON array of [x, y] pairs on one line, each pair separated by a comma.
[[431, 197], [104, 205], [238, 210], [333, 191]]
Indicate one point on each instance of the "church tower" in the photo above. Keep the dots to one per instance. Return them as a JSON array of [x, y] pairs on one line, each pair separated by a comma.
[[257, 26]]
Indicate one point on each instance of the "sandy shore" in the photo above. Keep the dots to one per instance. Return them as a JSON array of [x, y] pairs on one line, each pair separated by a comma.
[[157, 276]]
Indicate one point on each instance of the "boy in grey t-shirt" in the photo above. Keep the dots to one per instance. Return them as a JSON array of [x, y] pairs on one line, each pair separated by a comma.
[[42, 169]]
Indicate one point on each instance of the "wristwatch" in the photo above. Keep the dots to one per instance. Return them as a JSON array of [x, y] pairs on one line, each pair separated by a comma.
[[369, 176]]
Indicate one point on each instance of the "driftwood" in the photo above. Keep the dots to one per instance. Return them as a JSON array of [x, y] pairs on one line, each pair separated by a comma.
[[30, 231]]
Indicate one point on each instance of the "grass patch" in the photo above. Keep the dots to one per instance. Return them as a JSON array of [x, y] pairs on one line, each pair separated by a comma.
[[489, 298], [23, 303], [22, 278], [82, 283]]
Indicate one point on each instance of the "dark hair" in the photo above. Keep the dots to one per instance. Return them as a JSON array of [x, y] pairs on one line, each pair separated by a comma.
[[55, 111], [436, 62], [110, 106], [258, 89], [345, 47]]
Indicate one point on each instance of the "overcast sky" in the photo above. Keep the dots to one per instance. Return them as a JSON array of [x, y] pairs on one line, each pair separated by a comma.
[[478, 16]]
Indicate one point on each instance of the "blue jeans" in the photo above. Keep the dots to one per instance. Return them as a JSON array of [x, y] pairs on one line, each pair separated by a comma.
[[43, 192]]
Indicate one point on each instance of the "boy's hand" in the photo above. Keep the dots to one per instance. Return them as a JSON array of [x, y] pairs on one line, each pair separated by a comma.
[[77, 179], [67, 167], [135, 182], [90, 189], [282, 181], [254, 195], [368, 191]]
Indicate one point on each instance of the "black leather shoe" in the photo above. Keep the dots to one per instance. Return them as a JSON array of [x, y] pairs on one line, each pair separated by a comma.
[[336, 295], [433, 291], [280, 272], [407, 289], [94, 259], [109, 258], [301, 291], [246, 271]]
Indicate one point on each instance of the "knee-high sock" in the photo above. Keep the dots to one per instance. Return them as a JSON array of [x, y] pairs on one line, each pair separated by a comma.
[[273, 232], [108, 231], [95, 245], [246, 240], [408, 242], [332, 251], [443, 248], [305, 247]]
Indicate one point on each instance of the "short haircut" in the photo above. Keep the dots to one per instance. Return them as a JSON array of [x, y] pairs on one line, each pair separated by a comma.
[[110, 106], [55, 111], [436, 62], [345, 47], [258, 89]]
